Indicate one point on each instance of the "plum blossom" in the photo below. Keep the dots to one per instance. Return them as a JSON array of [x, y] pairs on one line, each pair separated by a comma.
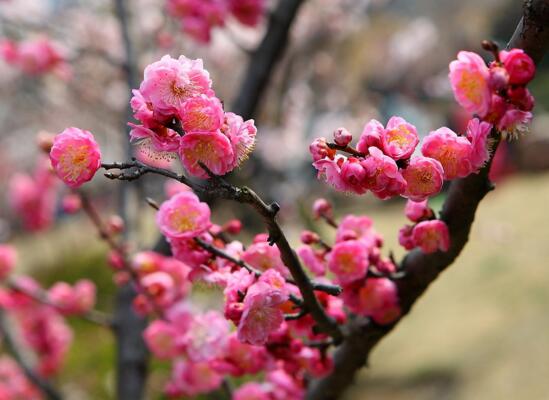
[[161, 338], [431, 236], [417, 211], [8, 259], [424, 177], [213, 149], [519, 65], [73, 300], [399, 139], [201, 114], [469, 79], [75, 156], [183, 216], [348, 260], [451, 150], [477, 133]]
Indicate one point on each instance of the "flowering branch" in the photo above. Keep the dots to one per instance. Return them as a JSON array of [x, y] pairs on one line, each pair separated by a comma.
[[43, 385], [94, 316], [217, 187], [532, 35]]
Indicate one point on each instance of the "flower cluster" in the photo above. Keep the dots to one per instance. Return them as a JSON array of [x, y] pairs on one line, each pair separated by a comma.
[[13, 382], [427, 233], [496, 93], [199, 17], [35, 56], [180, 115]]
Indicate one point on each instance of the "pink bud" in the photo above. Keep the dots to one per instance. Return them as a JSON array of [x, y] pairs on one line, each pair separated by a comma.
[[8, 258], [499, 78], [233, 227], [322, 207], [342, 137], [44, 140], [115, 260], [519, 65], [71, 203], [309, 237], [319, 149], [115, 224]]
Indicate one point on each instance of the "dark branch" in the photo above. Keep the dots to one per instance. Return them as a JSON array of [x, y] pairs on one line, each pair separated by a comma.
[[421, 269]]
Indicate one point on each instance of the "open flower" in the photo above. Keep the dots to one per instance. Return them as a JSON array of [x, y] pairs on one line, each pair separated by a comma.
[[183, 216], [213, 149], [399, 139], [424, 177], [469, 77], [431, 236], [451, 150], [75, 156]]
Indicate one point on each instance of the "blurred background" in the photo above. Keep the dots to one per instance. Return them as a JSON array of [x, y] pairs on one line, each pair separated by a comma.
[[481, 331]]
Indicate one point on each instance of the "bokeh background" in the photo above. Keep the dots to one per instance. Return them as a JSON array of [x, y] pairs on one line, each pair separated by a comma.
[[481, 331]]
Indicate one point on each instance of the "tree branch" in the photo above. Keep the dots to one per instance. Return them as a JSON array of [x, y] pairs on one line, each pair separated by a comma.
[[265, 58], [532, 35], [43, 385]]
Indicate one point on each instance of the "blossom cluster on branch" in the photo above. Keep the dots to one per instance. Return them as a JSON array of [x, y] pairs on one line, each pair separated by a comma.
[[283, 309]]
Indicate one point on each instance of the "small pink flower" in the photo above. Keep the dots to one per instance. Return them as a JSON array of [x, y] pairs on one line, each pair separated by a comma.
[[451, 150], [469, 77], [379, 300], [71, 203], [183, 216], [519, 65], [241, 358], [160, 287], [252, 391], [201, 114], [213, 149], [431, 236], [73, 300], [168, 83], [514, 122], [348, 260], [330, 171], [241, 134], [354, 227], [353, 173], [417, 211], [263, 257], [477, 133], [382, 175], [405, 237], [399, 139], [75, 156], [8, 259], [206, 337], [319, 149], [143, 110], [247, 12], [371, 136], [193, 378], [160, 138], [313, 261], [161, 339], [261, 316], [424, 177], [322, 207]]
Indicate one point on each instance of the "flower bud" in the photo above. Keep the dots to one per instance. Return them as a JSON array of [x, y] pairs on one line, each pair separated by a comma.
[[309, 237], [342, 137]]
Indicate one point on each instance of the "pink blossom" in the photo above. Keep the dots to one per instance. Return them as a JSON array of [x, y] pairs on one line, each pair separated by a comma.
[[371, 136], [213, 149], [354, 227], [183, 216], [35, 57], [319, 149], [263, 257], [71, 203], [261, 316], [160, 138], [168, 83], [431, 236], [193, 378], [73, 300], [252, 391], [8, 259], [314, 362], [451, 150], [241, 358], [247, 12], [399, 139], [14, 385], [519, 65], [201, 114], [322, 207], [424, 177], [189, 252], [287, 386], [143, 110], [348, 260], [161, 339], [382, 175], [206, 337], [353, 173], [405, 237], [469, 79], [75, 156], [172, 187], [198, 17], [379, 300], [477, 133], [241, 134], [514, 122], [159, 287], [312, 260], [330, 171], [417, 211], [499, 78]]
